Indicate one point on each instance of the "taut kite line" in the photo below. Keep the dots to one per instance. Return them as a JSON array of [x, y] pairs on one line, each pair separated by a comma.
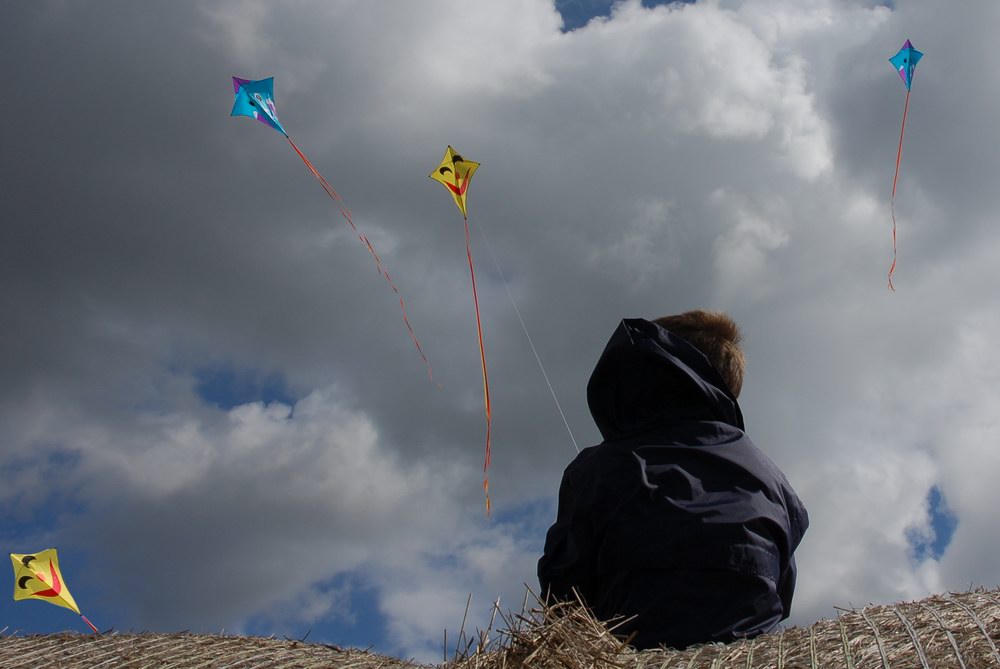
[[255, 98]]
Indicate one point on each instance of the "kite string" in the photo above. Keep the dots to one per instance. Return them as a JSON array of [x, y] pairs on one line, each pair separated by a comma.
[[489, 247], [486, 380], [892, 199], [346, 213]]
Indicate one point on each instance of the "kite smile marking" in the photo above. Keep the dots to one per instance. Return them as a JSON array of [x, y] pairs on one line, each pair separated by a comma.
[[459, 187], [52, 591]]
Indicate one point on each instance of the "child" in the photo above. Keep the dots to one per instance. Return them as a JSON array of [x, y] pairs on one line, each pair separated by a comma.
[[676, 518]]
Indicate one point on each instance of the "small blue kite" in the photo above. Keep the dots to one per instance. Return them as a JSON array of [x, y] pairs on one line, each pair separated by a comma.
[[256, 100]]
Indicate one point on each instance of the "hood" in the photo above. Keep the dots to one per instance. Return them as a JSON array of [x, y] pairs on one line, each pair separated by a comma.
[[647, 375]]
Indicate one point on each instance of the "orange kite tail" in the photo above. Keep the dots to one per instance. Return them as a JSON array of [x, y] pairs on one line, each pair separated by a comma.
[[486, 379], [346, 213]]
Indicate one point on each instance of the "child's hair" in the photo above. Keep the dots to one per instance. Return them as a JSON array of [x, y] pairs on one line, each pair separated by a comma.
[[717, 336]]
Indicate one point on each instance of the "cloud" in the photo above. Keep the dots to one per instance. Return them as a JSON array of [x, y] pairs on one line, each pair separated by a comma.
[[237, 509], [648, 244], [428, 591], [744, 252]]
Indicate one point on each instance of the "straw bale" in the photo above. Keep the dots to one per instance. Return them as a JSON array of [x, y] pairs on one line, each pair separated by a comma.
[[957, 631], [949, 631], [181, 651]]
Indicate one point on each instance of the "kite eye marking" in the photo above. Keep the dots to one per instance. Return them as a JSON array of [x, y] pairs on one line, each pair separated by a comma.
[[443, 170], [21, 582], [457, 159], [26, 560]]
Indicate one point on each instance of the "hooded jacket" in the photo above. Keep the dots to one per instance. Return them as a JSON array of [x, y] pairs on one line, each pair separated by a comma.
[[676, 519]]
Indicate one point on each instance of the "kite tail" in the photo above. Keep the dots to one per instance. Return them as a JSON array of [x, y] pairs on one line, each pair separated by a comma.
[[892, 200], [346, 213], [486, 380], [96, 631]]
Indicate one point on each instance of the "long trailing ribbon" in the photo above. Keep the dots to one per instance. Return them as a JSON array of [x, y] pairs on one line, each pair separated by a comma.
[[486, 379], [892, 200], [346, 213]]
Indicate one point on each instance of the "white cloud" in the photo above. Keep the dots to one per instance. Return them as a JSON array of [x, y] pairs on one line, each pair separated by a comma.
[[427, 591], [244, 508], [648, 246], [743, 254], [861, 552]]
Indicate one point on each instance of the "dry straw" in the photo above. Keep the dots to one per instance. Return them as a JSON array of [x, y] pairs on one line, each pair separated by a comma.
[[940, 632]]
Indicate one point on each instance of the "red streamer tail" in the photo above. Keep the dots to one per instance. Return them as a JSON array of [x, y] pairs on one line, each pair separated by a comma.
[[895, 178], [346, 213], [486, 379], [90, 624]]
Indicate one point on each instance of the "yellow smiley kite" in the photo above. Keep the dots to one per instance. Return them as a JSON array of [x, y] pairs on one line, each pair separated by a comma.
[[455, 174], [37, 576]]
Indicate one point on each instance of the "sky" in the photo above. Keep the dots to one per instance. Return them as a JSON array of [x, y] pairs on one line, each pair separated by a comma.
[[211, 404]]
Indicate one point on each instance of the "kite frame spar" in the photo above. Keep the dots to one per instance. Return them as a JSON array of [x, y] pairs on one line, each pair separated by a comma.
[[255, 98]]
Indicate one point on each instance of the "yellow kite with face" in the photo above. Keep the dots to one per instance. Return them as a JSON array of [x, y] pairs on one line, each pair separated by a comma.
[[37, 576], [455, 173]]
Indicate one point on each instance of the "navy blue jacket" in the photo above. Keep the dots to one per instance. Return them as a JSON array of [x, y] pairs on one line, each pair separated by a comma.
[[676, 518]]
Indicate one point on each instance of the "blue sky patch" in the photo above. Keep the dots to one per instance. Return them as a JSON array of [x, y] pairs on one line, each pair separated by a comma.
[[576, 13], [358, 624], [529, 520], [943, 525], [226, 387], [20, 514]]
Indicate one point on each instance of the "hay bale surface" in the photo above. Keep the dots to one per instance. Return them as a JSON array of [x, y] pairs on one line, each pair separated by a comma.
[[959, 631], [181, 651]]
